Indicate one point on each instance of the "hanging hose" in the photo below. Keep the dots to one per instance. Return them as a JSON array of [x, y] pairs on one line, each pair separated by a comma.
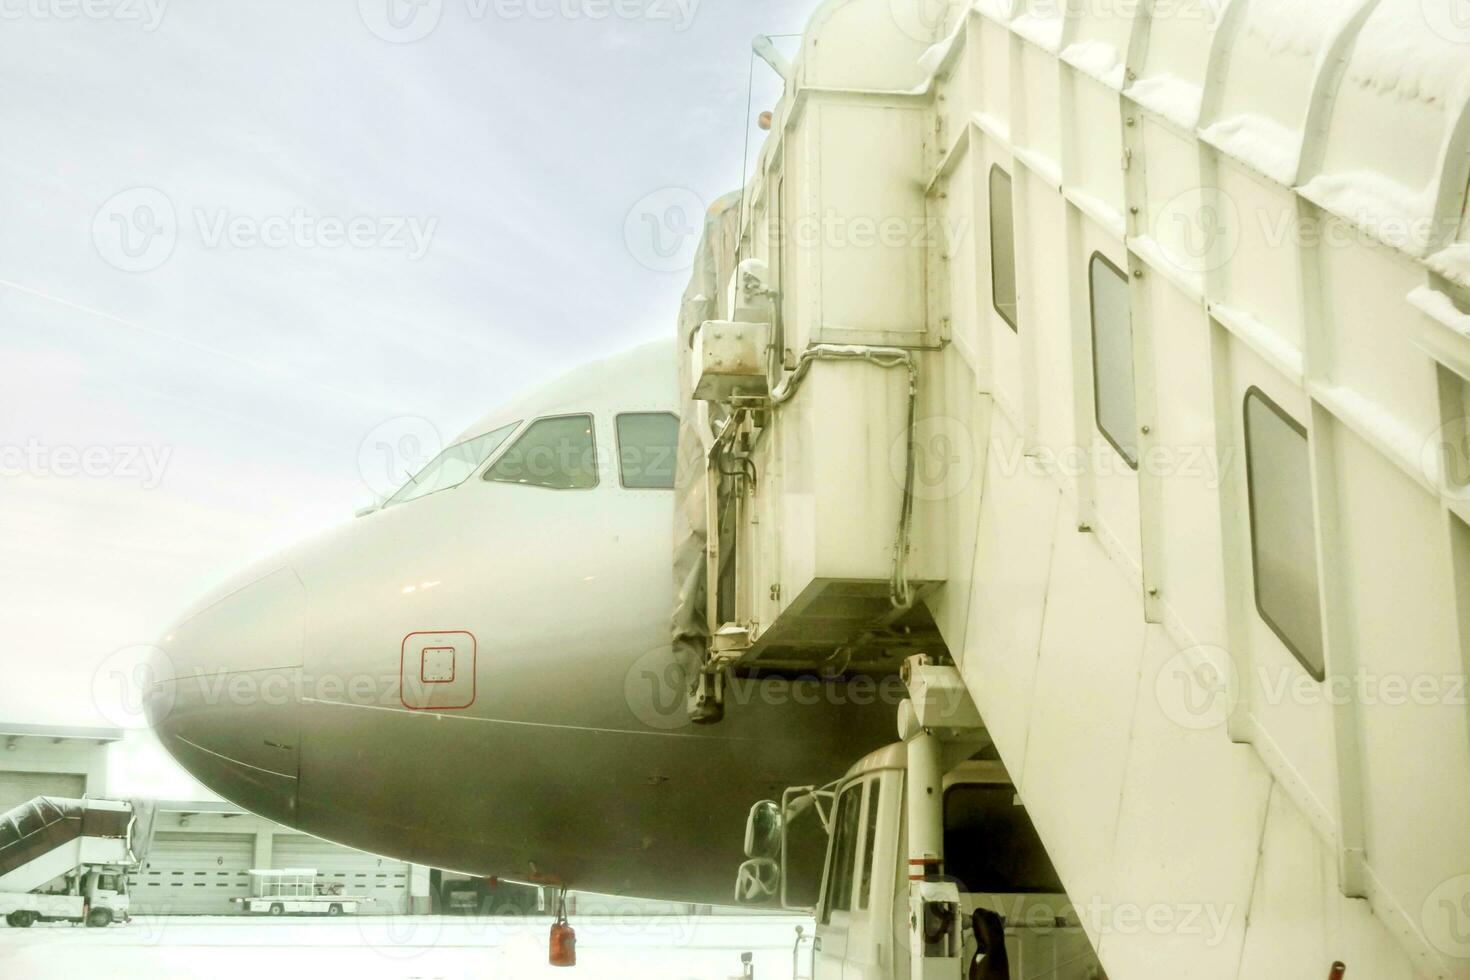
[[900, 593]]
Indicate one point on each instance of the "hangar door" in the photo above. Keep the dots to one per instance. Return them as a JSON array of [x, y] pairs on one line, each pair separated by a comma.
[[194, 874], [22, 787], [381, 880]]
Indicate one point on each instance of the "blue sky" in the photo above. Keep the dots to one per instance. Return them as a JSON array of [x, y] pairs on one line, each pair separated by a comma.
[[243, 241]]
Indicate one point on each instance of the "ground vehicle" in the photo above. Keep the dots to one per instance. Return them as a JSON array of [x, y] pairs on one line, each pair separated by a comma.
[[294, 891], [461, 894], [915, 845], [97, 896], [67, 860]]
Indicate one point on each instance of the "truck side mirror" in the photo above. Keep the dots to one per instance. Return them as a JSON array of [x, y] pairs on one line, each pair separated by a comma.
[[763, 830], [757, 882]]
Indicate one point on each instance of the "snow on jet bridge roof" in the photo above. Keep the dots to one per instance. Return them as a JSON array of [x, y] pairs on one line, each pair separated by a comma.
[[1302, 92]]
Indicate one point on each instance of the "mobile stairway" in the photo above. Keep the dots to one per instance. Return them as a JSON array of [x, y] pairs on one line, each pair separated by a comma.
[[67, 859]]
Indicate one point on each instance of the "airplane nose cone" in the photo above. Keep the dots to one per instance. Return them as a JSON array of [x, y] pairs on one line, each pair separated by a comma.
[[225, 698]]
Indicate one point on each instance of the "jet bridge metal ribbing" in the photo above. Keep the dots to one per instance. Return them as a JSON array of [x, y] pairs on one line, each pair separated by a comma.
[[1103, 233]]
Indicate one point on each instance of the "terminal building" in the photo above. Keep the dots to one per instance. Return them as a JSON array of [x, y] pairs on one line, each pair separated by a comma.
[[203, 849]]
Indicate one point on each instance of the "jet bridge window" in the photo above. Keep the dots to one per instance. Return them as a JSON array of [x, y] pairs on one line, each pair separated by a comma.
[[990, 844], [1112, 358], [1002, 247], [1283, 528], [648, 443], [453, 466], [556, 453]]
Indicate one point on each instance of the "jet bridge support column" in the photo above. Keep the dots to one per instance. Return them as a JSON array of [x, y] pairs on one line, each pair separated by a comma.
[[940, 726]]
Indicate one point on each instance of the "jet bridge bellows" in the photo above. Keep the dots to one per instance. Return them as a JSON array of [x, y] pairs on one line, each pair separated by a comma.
[[1184, 293]]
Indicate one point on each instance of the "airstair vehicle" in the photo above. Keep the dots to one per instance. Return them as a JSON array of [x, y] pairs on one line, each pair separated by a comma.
[[1115, 358], [68, 860]]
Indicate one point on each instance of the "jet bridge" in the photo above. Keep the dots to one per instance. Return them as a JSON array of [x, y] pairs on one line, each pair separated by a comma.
[[1120, 356]]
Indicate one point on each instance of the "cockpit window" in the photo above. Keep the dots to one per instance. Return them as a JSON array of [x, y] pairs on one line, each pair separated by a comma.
[[557, 453], [453, 466], [648, 442]]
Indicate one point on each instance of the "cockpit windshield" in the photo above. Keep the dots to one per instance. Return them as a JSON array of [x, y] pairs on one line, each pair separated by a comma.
[[453, 466]]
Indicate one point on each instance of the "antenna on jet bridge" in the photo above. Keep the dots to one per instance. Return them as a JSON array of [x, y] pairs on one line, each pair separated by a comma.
[[764, 47]]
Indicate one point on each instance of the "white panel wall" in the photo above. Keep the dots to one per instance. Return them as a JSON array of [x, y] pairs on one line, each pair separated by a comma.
[[1240, 163]]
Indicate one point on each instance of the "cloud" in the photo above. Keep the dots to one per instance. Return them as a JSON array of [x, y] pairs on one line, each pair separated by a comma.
[[260, 369]]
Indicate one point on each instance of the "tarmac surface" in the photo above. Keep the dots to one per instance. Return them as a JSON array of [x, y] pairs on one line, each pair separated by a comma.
[[667, 947]]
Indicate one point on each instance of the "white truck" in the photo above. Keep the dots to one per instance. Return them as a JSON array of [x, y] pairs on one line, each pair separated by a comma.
[[67, 860], [932, 866], [295, 891]]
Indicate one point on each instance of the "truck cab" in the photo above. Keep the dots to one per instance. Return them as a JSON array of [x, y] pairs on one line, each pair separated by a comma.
[[991, 853], [106, 891], [931, 868]]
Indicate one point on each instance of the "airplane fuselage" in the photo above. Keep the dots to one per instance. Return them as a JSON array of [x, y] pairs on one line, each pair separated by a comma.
[[481, 679]]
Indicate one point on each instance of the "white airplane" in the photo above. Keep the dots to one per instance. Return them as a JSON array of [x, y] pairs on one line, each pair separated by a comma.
[[478, 676]]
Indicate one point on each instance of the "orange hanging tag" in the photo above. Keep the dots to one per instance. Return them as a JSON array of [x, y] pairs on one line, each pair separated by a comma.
[[563, 936]]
